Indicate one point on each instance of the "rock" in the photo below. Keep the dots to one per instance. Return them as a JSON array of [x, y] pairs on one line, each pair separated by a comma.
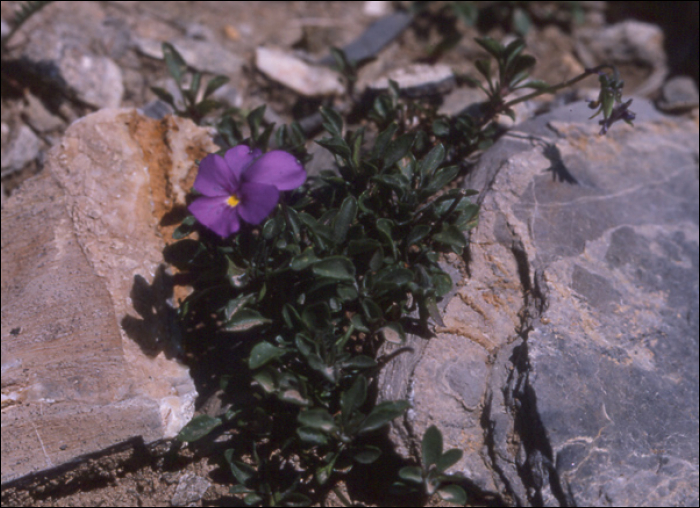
[[60, 50], [567, 369], [190, 490], [88, 348], [627, 44], [296, 74], [202, 55], [377, 36], [678, 94], [22, 148], [419, 80]]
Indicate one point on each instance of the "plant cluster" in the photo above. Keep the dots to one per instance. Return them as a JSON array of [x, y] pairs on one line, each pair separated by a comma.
[[304, 279]]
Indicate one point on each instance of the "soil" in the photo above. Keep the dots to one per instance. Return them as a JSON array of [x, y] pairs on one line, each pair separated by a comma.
[[137, 476]]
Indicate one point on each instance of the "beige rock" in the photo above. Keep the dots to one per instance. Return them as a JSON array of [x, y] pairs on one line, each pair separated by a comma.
[[82, 369], [296, 74]]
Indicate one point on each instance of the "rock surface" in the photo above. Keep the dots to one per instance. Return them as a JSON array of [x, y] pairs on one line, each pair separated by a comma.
[[568, 367], [88, 360]]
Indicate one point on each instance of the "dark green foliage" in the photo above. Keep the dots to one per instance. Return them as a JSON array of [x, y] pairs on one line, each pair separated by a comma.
[[430, 478], [343, 264], [194, 107]]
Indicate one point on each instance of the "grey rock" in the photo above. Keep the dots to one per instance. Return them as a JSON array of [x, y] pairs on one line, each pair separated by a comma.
[[567, 369], [22, 148], [419, 80], [377, 36], [189, 490], [60, 50], [40, 118], [626, 43], [202, 55], [678, 94]]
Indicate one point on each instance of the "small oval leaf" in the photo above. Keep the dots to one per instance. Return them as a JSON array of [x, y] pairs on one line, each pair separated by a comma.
[[198, 427]]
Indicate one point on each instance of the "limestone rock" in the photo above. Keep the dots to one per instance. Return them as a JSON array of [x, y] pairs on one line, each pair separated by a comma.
[[568, 367], [303, 78], [88, 356]]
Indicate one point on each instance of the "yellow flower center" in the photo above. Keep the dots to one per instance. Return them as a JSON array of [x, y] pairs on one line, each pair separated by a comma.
[[233, 200]]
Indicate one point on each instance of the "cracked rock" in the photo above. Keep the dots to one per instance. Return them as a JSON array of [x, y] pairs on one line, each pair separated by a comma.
[[567, 370]]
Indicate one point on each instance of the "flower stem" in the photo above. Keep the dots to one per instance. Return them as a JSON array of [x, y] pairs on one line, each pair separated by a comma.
[[552, 89]]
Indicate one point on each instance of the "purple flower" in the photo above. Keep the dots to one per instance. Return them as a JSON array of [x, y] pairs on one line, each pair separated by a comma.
[[243, 184], [619, 112]]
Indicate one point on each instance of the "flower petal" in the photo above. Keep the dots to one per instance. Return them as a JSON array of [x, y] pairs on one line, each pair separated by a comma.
[[277, 168], [257, 201], [215, 178], [216, 214], [239, 158]]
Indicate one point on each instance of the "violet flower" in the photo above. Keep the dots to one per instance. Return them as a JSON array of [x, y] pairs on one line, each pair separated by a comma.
[[619, 112], [243, 184]]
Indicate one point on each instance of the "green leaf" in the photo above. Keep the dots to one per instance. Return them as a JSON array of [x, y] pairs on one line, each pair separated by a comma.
[[442, 283], [182, 253], [352, 398], [452, 236], [344, 219], [252, 499], [371, 310], [173, 61], [431, 161], [441, 178], [317, 316], [241, 471], [214, 84], [492, 46], [333, 121], [367, 454], [304, 260], [312, 436], [255, 119], [244, 320], [317, 418], [185, 228], [431, 447], [335, 267], [236, 304], [198, 427], [383, 139], [398, 149], [191, 92], [412, 474], [521, 21], [536, 84], [392, 277], [384, 227], [359, 362], [453, 494], [263, 353], [484, 67], [448, 459], [163, 95], [382, 414], [295, 499], [337, 146], [417, 234], [441, 127], [324, 472], [513, 50], [273, 227], [266, 380]]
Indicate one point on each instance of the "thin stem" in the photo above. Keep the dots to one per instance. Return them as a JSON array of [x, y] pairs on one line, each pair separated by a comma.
[[554, 88]]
